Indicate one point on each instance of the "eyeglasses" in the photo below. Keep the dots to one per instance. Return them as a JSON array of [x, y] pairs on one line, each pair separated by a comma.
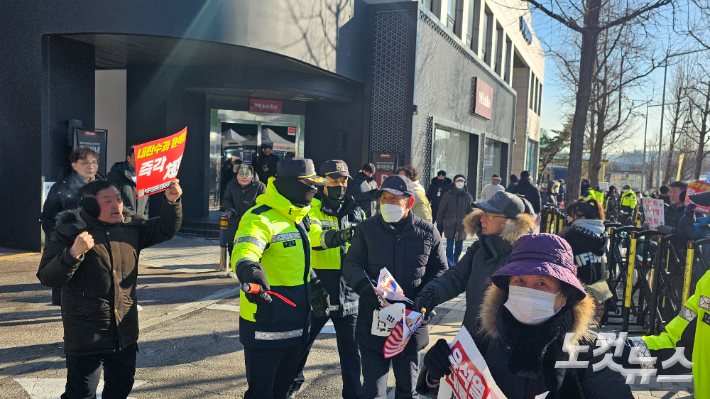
[[491, 216], [92, 163]]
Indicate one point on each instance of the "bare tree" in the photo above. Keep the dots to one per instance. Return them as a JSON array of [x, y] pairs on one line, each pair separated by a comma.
[[677, 112], [699, 116], [583, 17]]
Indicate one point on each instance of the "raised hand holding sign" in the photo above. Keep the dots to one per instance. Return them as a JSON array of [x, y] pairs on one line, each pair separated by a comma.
[[158, 162]]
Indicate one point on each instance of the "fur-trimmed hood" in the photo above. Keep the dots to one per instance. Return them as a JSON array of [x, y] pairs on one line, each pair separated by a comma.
[[514, 229], [583, 313]]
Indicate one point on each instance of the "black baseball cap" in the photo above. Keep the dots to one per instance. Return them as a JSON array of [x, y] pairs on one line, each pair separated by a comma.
[[397, 185], [301, 168], [334, 169]]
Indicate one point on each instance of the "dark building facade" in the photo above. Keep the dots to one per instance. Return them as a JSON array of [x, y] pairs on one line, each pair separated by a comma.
[[365, 79]]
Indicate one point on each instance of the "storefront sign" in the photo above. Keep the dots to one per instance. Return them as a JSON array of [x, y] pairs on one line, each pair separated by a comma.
[[96, 140], [157, 163], [482, 98], [270, 106], [385, 165], [292, 131], [525, 30], [696, 187]]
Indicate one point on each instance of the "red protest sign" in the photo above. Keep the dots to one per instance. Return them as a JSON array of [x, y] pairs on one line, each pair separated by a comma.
[[467, 381], [157, 163], [696, 187]]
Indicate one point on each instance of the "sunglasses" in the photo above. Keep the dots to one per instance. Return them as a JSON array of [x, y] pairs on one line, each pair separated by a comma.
[[491, 216]]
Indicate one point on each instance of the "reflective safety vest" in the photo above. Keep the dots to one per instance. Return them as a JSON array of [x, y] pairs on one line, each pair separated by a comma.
[[327, 263], [276, 234], [598, 195], [628, 199], [693, 317]]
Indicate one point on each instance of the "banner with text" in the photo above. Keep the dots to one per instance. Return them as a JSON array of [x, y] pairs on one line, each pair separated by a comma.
[[697, 187], [157, 163], [654, 212], [470, 377]]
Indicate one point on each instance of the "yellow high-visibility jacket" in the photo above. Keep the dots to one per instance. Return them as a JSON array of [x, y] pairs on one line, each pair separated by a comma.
[[628, 199]]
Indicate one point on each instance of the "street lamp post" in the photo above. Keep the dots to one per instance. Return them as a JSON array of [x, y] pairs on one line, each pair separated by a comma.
[[660, 138], [645, 130]]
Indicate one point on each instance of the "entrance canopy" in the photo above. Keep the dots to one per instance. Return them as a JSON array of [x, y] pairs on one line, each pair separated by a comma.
[[268, 138]]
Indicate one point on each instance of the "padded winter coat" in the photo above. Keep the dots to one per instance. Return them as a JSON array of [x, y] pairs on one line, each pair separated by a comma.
[[363, 191], [528, 190], [435, 193], [414, 257], [63, 196], [472, 273], [454, 207], [99, 308], [239, 199]]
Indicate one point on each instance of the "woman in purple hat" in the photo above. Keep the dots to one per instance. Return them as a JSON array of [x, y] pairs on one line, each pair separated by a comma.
[[534, 301]]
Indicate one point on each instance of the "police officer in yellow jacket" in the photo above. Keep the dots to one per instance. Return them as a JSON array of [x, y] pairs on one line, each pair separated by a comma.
[[628, 202], [272, 259], [335, 210], [689, 330]]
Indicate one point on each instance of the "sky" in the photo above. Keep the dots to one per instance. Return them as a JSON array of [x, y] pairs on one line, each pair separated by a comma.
[[553, 111]]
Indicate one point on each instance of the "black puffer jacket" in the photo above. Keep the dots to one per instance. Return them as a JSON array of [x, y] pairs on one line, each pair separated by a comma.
[[414, 257], [454, 207], [672, 216], [472, 273], [63, 196], [549, 197], [99, 310], [238, 200], [121, 176], [435, 193], [528, 190], [522, 358], [363, 191], [588, 238]]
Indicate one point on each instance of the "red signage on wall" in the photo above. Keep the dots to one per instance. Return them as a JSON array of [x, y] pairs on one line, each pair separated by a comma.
[[158, 162], [271, 106], [482, 99], [385, 165], [292, 131]]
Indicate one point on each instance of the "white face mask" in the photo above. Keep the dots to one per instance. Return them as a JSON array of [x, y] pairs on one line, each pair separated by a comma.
[[530, 306], [392, 213], [459, 185]]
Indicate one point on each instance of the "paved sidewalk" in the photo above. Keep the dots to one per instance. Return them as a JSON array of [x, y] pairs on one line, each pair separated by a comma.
[[183, 255]]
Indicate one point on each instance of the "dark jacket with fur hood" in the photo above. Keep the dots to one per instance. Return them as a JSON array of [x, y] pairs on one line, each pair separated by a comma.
[[472, 273], [587, 237], [521, 358], [99, 310]]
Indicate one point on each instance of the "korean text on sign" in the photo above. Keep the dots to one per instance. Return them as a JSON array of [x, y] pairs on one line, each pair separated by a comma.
[[158, 162], [654, 212], [696, 187]]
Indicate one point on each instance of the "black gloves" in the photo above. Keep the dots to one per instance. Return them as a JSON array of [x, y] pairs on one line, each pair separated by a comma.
[[437, 360], [426, 300], [336, 238], [666, 229], [367, 293], [253, 273], [320, 300]]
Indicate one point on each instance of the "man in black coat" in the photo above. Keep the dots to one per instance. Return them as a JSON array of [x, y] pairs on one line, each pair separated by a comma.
[[266, 165], [527, 189], [123, 175], [239, 196], [513, 183], [439, 186], [675, 211], [411, 249], [363, 189], [93, 257]]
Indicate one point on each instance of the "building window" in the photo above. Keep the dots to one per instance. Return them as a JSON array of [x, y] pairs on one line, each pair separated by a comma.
[[492, 157], [508, 59], [539, 100], [474, 19], [531, 159], [535, 96], [499, 50], [449, 152], [487, 37], [434, 6], [531, 95]]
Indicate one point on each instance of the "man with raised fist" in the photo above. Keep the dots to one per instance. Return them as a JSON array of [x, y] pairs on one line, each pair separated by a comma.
[[92, 255]]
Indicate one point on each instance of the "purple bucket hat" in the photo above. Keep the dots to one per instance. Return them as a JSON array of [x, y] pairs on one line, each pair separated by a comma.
[[535, 254]]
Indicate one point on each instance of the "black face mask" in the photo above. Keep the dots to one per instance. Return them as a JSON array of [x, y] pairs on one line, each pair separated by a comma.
[[296, 192], [336, 193]]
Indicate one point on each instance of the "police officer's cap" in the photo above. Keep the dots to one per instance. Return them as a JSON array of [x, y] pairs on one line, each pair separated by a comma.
[[301, 168], [334, 169]]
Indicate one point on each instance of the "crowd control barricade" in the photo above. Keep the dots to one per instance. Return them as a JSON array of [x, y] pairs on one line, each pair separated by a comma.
[[696, 265], [617, 261], [639, 264], [223, 244], [545, 219]]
